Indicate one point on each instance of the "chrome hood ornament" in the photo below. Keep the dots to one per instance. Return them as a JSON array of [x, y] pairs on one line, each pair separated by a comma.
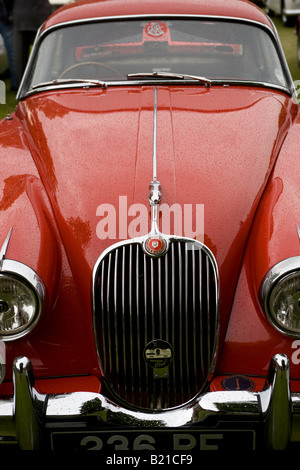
[[155, 244]]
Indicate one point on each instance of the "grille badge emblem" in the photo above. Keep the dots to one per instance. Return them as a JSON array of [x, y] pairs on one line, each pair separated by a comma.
[[158, 354], [155, 245]]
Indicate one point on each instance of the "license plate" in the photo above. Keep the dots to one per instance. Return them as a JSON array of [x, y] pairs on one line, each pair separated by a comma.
[[153, 441]]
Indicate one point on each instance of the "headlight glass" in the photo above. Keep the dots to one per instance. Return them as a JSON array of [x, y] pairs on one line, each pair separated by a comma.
[[280, 296], [18, 305], [284, 303]]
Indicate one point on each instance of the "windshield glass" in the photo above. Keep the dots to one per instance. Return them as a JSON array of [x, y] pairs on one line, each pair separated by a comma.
[[110, 50]]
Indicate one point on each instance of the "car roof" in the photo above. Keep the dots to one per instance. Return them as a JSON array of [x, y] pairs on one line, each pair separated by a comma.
[[85, 9]]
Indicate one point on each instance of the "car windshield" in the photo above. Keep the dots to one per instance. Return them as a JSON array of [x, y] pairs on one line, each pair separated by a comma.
[[112, 50]]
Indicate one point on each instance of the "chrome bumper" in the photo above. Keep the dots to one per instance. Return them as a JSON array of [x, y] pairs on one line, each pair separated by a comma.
[[28, 416]]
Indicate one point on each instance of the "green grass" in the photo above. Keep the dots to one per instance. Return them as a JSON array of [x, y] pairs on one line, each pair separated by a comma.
[[10, 103], [288, 40]]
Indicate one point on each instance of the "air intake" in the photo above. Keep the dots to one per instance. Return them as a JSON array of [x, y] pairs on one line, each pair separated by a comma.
[[156, 321]]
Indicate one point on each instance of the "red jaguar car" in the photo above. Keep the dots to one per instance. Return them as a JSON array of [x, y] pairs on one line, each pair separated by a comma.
[[150, 214]]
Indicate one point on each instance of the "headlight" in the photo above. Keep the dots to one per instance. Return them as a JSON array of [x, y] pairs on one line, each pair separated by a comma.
[[281, 296], [21, 297], [18, 305]]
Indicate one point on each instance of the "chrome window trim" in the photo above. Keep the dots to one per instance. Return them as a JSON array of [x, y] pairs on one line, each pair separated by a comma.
[[155, 15], [271, 31], [157, 82], [277, 272]]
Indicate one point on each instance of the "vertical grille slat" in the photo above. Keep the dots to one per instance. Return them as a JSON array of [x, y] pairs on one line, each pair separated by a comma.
[[108, 316], [187, 313], [173, 311], [138, 327], [130, 322], [172, 299], [208, 311], [195, 345], [123, 277], [200, 312], [115, 318]]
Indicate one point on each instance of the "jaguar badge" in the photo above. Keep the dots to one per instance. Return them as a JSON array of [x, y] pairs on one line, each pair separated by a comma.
[[155, 245]]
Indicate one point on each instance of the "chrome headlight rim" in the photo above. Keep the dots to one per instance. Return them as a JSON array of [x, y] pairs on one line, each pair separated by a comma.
[[24, 274], [279, 273]]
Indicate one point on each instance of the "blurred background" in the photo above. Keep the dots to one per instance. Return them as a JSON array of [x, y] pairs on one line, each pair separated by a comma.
[[289, 39], [288, 35]]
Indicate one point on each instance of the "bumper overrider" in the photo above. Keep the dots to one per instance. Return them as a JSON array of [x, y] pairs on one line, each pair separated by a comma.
[[215, 420]]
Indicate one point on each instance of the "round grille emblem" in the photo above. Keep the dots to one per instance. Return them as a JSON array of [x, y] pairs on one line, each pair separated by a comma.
[[158, 354], [155, 245]]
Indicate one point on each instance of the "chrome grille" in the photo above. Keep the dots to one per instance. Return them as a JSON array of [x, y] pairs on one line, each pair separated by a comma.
[[138, 299]]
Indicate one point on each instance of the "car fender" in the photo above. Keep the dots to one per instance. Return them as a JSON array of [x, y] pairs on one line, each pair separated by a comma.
[[273, 237]]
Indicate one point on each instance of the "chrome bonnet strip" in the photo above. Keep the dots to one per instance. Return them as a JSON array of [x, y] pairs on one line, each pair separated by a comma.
[[155, 136], [155, 194]]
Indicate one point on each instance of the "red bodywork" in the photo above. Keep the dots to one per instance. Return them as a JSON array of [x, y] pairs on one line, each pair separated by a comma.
[[65, 152]]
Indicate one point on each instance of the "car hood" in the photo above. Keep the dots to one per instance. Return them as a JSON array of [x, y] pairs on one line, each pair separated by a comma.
[[215, 150]]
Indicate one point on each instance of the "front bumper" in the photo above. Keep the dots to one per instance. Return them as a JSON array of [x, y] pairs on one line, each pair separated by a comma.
[[30, 419]]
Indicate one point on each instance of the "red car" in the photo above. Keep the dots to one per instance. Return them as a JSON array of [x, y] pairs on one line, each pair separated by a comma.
[[163, 320]]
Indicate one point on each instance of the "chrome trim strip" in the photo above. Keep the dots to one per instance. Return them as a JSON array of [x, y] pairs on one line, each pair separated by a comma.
[[4, 247], [108, 316], [117, 352], [272, 31], [102, 304], [155, 136], [279, 270], [132, 83], [131, 333], [22, 270], [298, 231], [139, 332], [123, 310], [155, 194], [155, 15]]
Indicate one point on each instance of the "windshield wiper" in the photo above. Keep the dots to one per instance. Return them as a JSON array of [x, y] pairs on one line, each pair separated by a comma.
[[170, 75], [62, 81]]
